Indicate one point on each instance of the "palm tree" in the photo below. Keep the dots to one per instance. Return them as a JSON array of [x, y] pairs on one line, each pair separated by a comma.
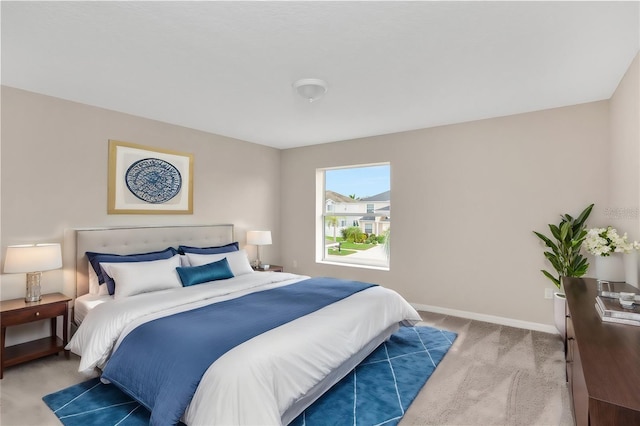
[[387, 243], [333, 222]]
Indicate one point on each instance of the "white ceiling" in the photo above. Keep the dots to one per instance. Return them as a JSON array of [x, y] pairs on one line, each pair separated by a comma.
[[228, 67]]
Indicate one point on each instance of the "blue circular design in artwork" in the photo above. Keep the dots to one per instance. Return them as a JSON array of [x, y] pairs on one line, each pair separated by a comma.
[[153, 180]]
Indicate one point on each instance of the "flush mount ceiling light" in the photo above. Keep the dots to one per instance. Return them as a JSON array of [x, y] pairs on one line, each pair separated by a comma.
[[311, 89]]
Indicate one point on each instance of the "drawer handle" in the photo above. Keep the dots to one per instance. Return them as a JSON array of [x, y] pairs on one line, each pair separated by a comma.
[[37, 314]]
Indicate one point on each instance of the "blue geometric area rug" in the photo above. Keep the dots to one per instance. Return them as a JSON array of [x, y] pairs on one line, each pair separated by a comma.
[[377, 392], [381, 388]]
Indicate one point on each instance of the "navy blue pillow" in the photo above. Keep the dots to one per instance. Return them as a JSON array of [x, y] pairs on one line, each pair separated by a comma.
[[214, 271], [97, 258], [209, 250]]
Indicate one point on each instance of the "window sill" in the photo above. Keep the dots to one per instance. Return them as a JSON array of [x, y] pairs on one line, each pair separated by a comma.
[[354, 265]]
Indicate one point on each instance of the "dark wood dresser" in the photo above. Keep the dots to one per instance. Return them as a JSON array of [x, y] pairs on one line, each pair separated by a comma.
[[603, 359]]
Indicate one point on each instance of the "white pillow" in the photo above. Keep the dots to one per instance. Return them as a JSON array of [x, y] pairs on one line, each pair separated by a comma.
[[94, 286], [238, 261], [93, 280], [141, 277]]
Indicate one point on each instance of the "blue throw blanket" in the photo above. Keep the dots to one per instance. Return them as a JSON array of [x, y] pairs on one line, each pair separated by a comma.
[[161, 363]]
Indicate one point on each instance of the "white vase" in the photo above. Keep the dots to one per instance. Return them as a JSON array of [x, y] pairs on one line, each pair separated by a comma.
[[559, 313], [610, 268], [632, 268]]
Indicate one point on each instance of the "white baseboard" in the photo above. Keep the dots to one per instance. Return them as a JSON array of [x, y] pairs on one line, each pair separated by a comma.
[[545, 328]]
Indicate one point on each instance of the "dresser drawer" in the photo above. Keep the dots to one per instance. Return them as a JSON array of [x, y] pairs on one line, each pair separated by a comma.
[[33, 313]]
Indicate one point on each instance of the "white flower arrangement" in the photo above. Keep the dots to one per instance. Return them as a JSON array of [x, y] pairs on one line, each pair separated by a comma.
[[604, 241]]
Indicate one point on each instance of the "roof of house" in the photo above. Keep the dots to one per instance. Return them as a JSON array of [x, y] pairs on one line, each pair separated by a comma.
[[383, 196], [334, 196]]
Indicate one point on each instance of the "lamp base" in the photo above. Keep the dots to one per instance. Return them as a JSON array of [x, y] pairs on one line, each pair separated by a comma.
[[33, 287], [258, 262]]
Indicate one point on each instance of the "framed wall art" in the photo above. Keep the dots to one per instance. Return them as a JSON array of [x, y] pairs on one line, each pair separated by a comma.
[[144, 180]]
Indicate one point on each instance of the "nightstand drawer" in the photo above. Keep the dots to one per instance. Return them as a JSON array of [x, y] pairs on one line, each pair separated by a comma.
[[33, 313]]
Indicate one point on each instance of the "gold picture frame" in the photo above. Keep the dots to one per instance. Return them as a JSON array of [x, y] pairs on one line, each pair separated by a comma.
[[145, 180]]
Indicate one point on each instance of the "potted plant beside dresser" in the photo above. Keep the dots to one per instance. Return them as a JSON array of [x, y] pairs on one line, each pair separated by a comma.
[[563, 252]]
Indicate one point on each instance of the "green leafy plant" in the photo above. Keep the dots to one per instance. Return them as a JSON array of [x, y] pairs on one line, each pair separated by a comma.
[[564, 246], [353, 234]]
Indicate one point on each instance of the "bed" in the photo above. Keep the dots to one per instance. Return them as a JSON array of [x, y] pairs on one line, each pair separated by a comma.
[[270, 377]]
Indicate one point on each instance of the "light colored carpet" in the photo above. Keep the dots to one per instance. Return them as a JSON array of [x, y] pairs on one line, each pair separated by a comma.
[[492, 375]]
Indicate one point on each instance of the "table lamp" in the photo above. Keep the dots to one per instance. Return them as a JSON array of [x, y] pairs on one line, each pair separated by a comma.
[[33, 259], [259, 238]]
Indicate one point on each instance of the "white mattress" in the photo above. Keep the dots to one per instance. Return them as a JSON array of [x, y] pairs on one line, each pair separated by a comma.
[[85, 303]]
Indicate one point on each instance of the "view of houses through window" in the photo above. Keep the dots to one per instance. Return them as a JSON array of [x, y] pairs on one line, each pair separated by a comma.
[[356, 215]]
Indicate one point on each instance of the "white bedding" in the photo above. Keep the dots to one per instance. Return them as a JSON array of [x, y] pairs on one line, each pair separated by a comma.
[[83, 304], [256, 382]]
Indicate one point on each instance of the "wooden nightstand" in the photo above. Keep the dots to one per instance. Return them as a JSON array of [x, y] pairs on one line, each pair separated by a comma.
[[17, 311], [272, 268]]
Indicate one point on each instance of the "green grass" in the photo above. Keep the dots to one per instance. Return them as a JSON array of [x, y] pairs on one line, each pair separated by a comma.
[[355, 246], [347, 245]]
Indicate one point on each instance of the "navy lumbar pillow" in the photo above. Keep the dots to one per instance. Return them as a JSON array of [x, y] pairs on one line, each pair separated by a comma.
[[192, 275]]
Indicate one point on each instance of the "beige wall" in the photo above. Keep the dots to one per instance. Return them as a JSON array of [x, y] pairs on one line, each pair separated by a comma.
[[624, 190], [625, 152], [466, 199], [54, 177]]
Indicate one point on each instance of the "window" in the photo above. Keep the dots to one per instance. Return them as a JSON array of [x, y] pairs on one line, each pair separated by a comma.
[[354, 210]]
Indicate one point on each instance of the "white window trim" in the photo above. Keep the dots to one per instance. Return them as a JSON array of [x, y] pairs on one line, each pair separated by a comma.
[[320, 222]]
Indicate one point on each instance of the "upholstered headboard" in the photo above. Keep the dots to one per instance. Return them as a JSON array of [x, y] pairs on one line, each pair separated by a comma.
[[140, 240]]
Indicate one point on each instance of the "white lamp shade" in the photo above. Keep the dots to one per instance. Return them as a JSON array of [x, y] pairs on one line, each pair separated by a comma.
[[259, 238], [32, 258]]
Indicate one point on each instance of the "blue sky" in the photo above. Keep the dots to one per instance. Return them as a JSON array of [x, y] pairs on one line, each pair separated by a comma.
[[361, 181]]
